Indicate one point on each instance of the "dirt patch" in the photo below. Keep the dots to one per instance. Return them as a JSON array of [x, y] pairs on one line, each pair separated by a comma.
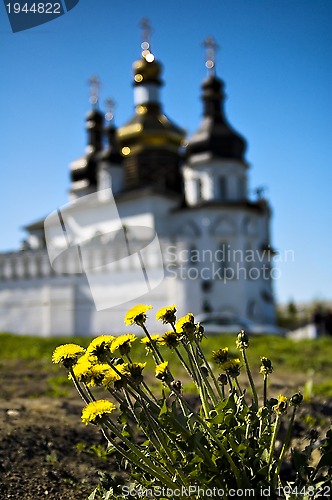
[[45, 449]]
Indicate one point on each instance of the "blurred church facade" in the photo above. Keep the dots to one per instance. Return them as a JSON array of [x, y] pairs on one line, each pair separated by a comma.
[[184, 199]]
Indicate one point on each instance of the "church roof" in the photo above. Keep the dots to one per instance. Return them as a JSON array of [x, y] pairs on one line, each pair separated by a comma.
[[215, 135]]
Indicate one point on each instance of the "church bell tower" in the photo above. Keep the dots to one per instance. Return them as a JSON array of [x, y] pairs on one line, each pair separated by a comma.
[[150, 142]]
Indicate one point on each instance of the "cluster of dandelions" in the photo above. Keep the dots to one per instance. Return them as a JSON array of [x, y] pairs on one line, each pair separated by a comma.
[[225, 438]]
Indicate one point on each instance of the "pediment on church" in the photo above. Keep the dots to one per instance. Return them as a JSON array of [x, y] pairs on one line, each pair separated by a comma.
[[223, 226], [190, 229]]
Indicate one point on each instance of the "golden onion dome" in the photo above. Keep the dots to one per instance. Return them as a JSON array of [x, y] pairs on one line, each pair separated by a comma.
[[149, 127], [147, 69]]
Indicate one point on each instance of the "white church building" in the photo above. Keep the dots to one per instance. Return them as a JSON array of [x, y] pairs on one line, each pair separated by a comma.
[[153, 217]]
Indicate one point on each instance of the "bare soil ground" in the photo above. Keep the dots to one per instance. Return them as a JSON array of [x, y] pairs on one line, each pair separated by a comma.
[[45, 448]]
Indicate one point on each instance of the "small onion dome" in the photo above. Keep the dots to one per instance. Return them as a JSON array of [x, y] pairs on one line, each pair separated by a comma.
[[215, 135], [85, 168], [147, 70], [112, 152], [94, 118], [149, 127]]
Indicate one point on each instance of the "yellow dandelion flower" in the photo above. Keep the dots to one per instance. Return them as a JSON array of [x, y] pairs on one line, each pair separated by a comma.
[[134, 371], [147, 342], [122, 368], [137, 314], [161, 370], [82, 367], [186, 324], [100, 345], [220, 356], [88, 370], [95, 410], [167, 314], [232, 367], [119, 374], [67, 354], [281, 407], [96, 374], [170, 339], [110, 377], [123, 343]]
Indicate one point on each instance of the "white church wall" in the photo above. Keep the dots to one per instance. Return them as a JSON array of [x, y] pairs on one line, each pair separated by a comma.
[[34, 307], [207, 175]]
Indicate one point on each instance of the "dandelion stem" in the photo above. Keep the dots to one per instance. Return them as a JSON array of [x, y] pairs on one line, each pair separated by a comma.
[[153, 344], [273, 442], [137, 457], [165, 447], [209, 368], [251, 381], [183, 362], [238, 386], [86, 397], [203, 378], [285, 445], [265, 390]]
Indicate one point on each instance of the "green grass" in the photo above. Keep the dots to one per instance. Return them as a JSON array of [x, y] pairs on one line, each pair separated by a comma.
[[305, 356], [33, 348]]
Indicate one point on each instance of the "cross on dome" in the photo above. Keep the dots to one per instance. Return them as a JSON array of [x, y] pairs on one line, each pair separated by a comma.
[[94, 84], [146, 35], [110, 105], [211, 48]]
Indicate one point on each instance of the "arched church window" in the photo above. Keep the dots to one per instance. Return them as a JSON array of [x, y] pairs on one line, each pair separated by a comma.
[[199, 190], [193, 255], [223, 259], [251, 308], [223, 194], [241, 188], [249, 259]]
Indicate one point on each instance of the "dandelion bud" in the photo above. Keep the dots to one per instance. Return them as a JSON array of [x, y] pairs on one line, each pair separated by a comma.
[[223, 379], [263, 412], [270, 403], [177, 385], [251, 417], [296, 399], [266, 366], [242, 341], [313, 435], [281, 407], [199, 332]]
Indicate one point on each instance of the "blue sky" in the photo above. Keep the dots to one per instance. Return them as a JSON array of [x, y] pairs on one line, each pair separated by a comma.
[[275, 59]]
